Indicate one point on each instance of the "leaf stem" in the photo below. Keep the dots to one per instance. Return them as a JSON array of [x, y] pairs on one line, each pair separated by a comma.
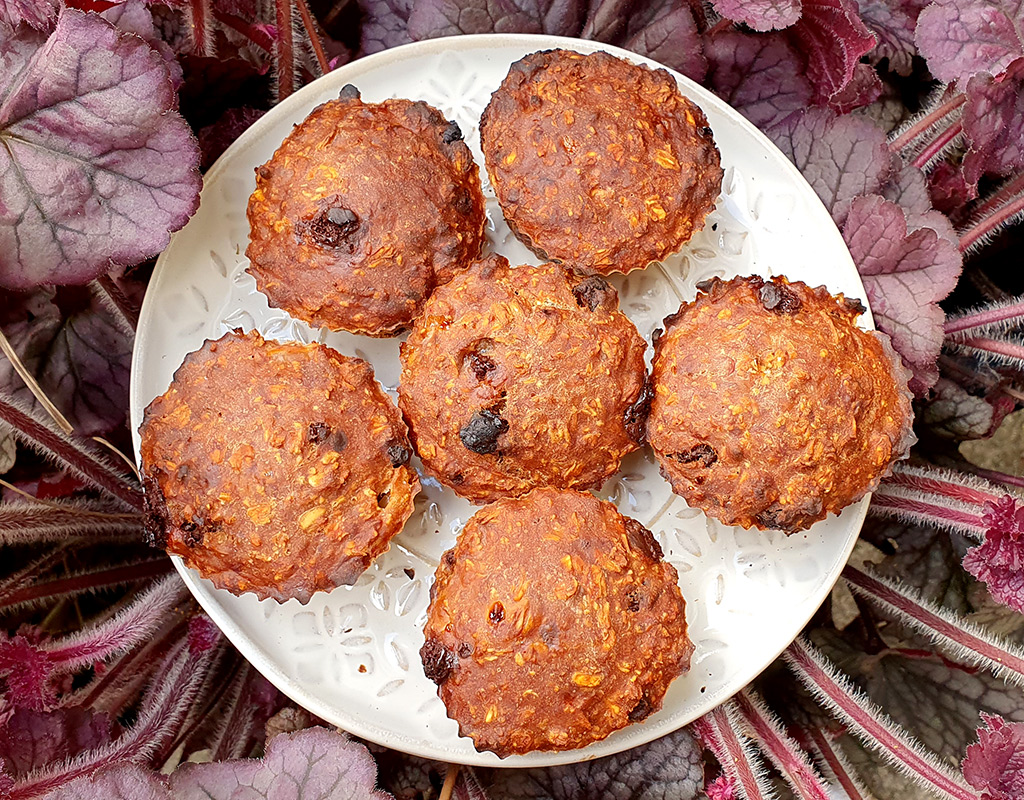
[[89, 581], [918, 127], [314, 36], [992, 214], [33, 386], [836, 763], [985, 317], [284, 49], [995, 346], [739, 762], [124, 312], [870, 722]]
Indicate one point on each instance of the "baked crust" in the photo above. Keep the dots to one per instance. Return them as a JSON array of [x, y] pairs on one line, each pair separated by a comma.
[[598, 164], [771, 408], [520, 377], [277, 469], [362, 211], [553, 622]]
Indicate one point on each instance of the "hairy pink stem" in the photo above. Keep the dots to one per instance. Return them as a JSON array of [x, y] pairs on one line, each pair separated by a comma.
[[836, 764], [936, 145], [76, 455], [995, 346], [202, 29], [927, 513], [999, 477], [965, 640], [91, 581], [125, 630], [125, 313], [782, 751], [254, 34], [314, 37], [984, 317], [16, 582], [992, 214], [920, 126], [30, 523], [738, 761], [870, 722], [935, 482], [284, 50]]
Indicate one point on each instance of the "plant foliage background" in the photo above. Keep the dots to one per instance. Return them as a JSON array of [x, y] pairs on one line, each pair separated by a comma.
[[907, 118]]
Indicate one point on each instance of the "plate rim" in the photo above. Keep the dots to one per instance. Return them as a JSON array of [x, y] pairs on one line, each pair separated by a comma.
[[290, 108]]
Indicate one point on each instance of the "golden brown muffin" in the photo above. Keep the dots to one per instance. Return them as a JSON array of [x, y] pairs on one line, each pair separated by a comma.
[[362, 211], [771, 408], [524, 377], [278, 469], [598, 164], [553, 622]]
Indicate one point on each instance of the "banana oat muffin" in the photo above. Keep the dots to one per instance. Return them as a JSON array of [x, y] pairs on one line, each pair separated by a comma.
[[771, 407], [277, 469], [553, 622], [362, 211], [514, 378], [598, 164]]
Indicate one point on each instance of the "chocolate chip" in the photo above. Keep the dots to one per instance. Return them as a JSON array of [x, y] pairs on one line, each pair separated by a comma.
[[703, 454], [774, 518], [642, 710], [348, 92], [398, 453], [778, 299], [318, 432], [463, 201], [453, 133], [591, 292], [496, 614], [635, 416], [438, 661], [457, 479], [481, 365], [410, 573], [334, 227], [383, 499], [465, 650], [706, 284], [192, 532], [448, 558], [705, 131], [481, 433], [855, 305], [633, 597], [264, 172]]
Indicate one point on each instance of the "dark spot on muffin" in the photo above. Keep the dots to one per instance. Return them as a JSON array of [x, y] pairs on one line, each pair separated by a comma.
[[774, 517], [481, 433], [448, 558], [453, 133], [706, 284], [398, 453], [642, 710], [463, 201], [192, 532], [591, 292], [182, 472], [496, 614], [705, 131], [348, 92], [635, 415], [854, 305], [465, 650], [778, 299], [334, 227], [318, 432], [633, 599], [438, 661], [481, 365], [338, 441], [642, 540], [457, 479], [383, 499], [704, 455], [549, 633], [155, 508], [410, 573], [264, 172]]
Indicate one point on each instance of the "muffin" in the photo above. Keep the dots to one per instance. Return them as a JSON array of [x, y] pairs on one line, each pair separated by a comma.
[[524, 377], [277, 469], [598, 164], [553, 622], [771, 408], [362, 211]]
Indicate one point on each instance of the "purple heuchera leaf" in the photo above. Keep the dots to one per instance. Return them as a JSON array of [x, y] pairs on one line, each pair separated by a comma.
[[118, 782], [27, 670], [132, 16], [74, 349], [761, 15], [37, 13], [841, 157], [948, 188], [864, 88], [999, 560], [893, 25], [97, 168], [311, 764], [960, 38], [385, 24], [833, 39], [666, 32], [761, 76], [432, 18], [993, 120], [906, 273], [216, 138], [32, 739], [995, 765]]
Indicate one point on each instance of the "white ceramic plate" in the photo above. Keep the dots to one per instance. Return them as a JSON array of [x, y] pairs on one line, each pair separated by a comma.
[[351, 656]]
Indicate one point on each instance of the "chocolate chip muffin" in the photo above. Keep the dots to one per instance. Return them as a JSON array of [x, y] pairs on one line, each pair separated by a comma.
[[598, 164], [277, 469], [553, 622], [771, 408], [514, 378], [362, 211]]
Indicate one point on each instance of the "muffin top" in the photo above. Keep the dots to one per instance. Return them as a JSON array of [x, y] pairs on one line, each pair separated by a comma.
[[277, 469], [514, 378], [362, 211], [771, 407], [552, 623], [598, 164]]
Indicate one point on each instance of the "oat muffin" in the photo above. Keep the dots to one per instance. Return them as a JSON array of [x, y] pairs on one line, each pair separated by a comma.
[[277, 469], [514, 378], [553, 622], [362, 211], [771, 408], [598, 164]]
